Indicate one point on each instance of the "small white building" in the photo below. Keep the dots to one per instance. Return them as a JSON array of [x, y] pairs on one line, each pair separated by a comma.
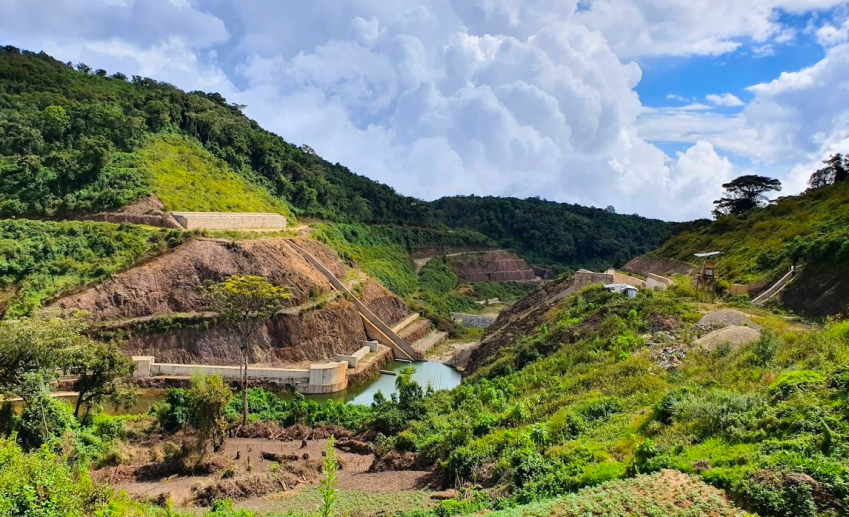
[[628, 290]]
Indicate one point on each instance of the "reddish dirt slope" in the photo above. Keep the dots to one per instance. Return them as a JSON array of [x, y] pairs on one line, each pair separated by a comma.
[[491, 266], [168, 284]]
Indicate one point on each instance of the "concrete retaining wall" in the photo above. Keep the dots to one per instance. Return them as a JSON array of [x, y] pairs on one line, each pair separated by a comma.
[[621, 278], [478, 321], [354, 358], [319, 378], [584, 278], [657, 282], [229, 221]]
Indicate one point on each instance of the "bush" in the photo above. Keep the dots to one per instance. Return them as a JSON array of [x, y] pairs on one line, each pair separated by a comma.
[[794, 382], [41, 484]]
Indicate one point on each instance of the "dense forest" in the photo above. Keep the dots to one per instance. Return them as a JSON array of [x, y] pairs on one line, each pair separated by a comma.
[[559, 233], [67, 139]]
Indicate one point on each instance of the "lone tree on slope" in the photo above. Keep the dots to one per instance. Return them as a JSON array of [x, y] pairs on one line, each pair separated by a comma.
[[836, 170], [244, 304], [744, 193]]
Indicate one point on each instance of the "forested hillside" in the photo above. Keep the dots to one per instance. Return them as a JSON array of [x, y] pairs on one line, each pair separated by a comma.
[[555, 233], [76, 140], [70, 142]]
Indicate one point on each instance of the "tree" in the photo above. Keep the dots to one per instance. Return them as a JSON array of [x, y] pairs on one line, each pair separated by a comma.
[[244, 304], [744, 193], [99, 369], [208, 399], [836, 170], [38, 345]]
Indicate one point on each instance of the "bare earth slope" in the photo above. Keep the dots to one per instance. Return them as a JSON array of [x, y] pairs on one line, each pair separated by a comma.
[[518, 320], [167, 286]]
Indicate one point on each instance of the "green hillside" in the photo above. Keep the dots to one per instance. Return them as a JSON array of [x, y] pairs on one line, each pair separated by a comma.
[[187, 177], [546, 232], [810, 230], [79, 142], [68, 142]]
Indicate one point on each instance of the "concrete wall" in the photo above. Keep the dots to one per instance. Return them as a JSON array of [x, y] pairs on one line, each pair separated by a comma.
[[229, 221], [657, 282], [583, 278], [356, 357], [738, 290], [319, 378], [621, 278], [479, 321]]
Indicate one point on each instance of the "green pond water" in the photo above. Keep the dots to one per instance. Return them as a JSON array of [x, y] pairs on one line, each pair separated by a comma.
[[434, 374]]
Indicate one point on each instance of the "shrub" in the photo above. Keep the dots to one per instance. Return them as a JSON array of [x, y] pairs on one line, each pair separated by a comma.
[[41, 484], [794, 382]]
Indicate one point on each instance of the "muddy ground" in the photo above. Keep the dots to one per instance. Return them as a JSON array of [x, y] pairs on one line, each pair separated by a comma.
[[260, 474]]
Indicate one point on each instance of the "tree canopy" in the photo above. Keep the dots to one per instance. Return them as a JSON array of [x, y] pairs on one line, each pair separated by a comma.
[[745, 193], [836, 170]]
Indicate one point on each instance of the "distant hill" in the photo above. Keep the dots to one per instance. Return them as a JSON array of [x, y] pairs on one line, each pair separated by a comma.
[[811, 230], [555, 233]]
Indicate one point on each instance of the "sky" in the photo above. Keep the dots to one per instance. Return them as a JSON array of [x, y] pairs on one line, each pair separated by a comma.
[[644, 105]]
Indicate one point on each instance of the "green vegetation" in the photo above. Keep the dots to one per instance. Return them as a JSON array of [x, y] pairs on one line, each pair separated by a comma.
[[40, 260], [384, 252], [175, 412], [762, 244], [244, 304], [545, 232], [70, 142], [582, 401], [187, 177], [73, 141]]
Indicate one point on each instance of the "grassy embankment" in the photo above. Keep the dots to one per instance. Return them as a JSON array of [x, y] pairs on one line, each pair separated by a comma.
[[760, 246]]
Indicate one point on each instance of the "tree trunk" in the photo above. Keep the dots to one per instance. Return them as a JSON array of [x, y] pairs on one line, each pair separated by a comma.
[[78, 405], [245, 388]]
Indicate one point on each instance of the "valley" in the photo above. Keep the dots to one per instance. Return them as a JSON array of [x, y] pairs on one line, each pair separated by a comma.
[[200, 318]]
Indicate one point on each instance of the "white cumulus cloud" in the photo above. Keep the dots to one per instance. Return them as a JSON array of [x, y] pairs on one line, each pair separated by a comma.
[[725, 99]]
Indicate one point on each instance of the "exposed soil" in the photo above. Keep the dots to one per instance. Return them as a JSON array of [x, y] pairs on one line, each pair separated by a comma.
[[168, 284], [818, 292], [726, 318], [149, 211], [491, 266], [250, 468], [519, 319], [658, 266], [733, 335], [286, 339]]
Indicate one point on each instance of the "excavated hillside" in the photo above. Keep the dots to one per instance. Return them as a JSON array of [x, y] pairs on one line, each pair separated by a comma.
[[491, 266], [159, 305], [521, 319]]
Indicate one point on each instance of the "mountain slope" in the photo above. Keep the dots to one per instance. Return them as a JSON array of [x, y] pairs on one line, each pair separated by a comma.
[[810, 230], [76, 142], [546, 232]]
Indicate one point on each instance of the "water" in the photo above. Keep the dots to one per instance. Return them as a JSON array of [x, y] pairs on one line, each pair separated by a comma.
[[437, 375]]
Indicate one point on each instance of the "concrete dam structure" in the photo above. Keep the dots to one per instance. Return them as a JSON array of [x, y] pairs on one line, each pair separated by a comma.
[[229, 221]]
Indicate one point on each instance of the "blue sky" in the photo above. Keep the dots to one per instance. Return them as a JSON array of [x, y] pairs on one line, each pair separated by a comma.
[[646, 105]]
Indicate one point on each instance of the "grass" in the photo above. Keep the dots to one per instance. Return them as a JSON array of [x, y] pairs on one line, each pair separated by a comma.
[[581, 401], [762, 244], [658, 495], [187, 177], [351, 503]]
